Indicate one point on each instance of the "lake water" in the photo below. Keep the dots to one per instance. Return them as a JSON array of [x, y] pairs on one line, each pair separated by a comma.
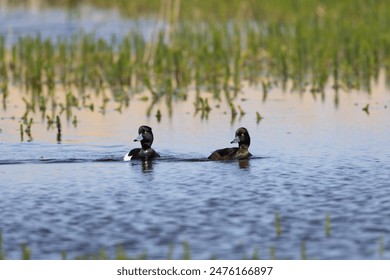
[[313, 159]]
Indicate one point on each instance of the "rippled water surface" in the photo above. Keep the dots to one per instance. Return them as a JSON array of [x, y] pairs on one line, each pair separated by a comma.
[[313, 159], [80, 197]]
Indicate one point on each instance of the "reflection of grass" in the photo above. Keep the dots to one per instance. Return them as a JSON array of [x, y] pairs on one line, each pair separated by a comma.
[[258, 117], [310, 43], [202, 105]]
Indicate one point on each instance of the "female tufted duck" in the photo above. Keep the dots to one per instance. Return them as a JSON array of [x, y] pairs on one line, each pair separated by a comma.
[[243, 140], [146, 152]]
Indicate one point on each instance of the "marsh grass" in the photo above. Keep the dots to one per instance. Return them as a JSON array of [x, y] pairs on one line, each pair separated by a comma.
[[266, 43]]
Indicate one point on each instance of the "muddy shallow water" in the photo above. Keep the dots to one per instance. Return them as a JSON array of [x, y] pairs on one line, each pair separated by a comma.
[[312, 159]]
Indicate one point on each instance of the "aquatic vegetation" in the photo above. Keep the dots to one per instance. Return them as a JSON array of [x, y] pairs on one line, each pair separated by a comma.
[[272, 252], [27, 130], [120, 253], [21, 133], [26, 252], [2, 254], [255, 255], [258, 117], [278, 228], [310, 44], [366, 109], [75, 121], [202, 105], [170, 251], [186, 251], [303, 250], [58, 125], [328, 225], [381, 247]]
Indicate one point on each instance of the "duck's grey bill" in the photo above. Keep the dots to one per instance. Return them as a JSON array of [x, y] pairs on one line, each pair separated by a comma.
[[139, 138], [236, 140]]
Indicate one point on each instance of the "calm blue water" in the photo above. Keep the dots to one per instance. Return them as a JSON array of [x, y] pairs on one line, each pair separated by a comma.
[[312, 159]]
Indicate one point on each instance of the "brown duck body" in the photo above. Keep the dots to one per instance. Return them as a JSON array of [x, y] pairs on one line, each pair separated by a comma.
[[231, 153], [243, 139]]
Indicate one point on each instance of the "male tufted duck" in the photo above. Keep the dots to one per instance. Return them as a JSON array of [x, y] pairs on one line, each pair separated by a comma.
[[243, 140], [146, 152]]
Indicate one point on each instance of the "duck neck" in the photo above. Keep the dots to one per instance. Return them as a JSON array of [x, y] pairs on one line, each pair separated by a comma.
[[145, 146], [244, 147]]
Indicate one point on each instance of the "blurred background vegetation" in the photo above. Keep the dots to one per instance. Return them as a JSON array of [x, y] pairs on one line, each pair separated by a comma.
[[212, 46]]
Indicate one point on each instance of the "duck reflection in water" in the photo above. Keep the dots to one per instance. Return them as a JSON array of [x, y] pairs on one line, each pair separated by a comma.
[[244, 164], [147, 166]]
